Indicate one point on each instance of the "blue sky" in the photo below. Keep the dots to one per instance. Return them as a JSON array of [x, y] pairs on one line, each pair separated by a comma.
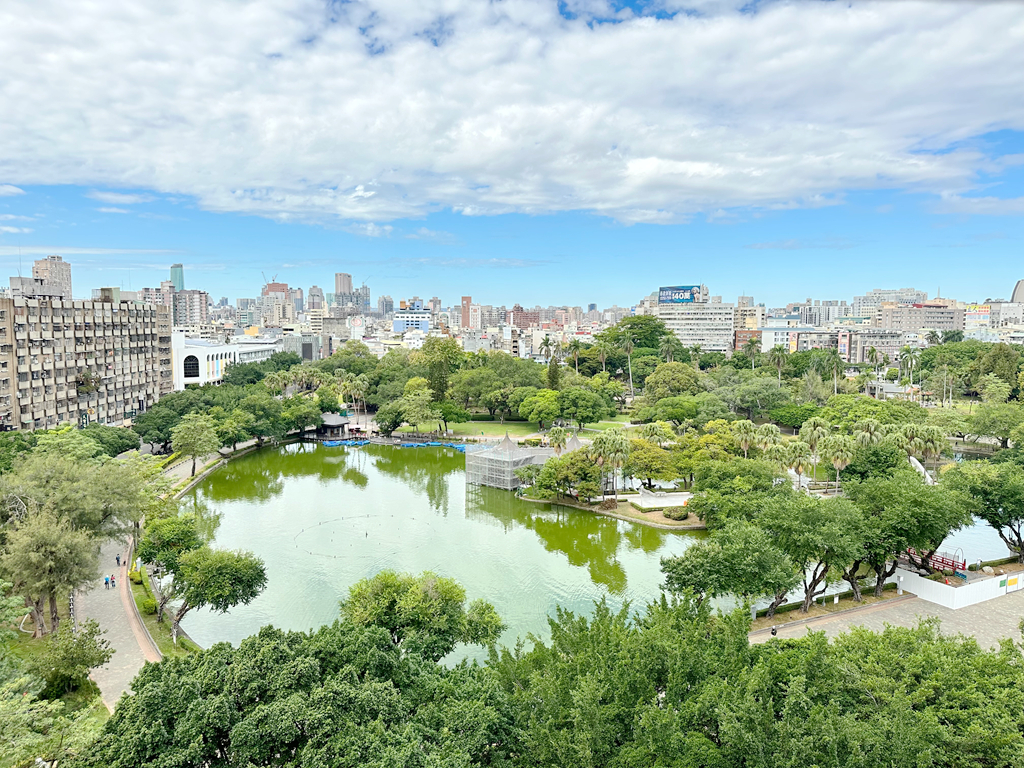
[[522, 150]]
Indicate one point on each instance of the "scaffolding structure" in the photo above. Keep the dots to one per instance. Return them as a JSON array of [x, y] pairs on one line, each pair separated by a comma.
[[496, 467]]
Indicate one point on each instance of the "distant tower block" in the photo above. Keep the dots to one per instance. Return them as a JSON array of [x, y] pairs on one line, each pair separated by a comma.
[[178, 277]]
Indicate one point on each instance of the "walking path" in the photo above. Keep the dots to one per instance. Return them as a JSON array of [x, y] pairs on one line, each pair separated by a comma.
[[126, 635], [987, 622]]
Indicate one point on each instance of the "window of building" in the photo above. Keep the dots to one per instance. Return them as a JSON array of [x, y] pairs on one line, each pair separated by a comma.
[[191, 367]]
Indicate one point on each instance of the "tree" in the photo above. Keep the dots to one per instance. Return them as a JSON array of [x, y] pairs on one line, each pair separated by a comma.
[[163, 543], [418, 408], [70, 442], [669, 347], [611, 450], [541, 406], [997, 420], [738, 559], [626, 344], [155, 425], [798, 457], [389, 418], [235, 428], [821, 537], [574, 349], [838, 450], [573, 475], [900, 512], [828, 362], [813, 431], [777, 357], [266, 416], [603, 350], [1002, 360], [670, 380], [470, 385], [648, 463], [68, 656], [195, 436], [442, 355], [767, 435], [582, 406], [996, 493], [751, 349], [301, 413], [216, 578], [554, 374], [426, 614], [557, 439], [452, 413], [867, 432], [45, 558], [657, 432], [646, 331], [746, 435]]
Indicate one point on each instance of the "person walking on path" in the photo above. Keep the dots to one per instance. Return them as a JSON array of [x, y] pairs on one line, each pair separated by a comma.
[[113, 584], [106, 582], [118, 559]]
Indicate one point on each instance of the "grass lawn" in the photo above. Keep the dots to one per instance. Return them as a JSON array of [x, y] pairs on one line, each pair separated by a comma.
[[601, 426], [160, 631], [486, 428]]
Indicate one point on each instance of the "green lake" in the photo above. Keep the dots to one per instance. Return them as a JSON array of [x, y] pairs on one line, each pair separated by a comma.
[[323, 518]]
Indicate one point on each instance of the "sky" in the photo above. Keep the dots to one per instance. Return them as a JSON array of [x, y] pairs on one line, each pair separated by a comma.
[[518, 150]]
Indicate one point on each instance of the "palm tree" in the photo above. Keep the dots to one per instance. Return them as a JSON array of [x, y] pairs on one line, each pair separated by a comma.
[[657, 432], [798, 457], [611, 449], [667, 347], [557, 439], [839, 450], [933, 440], [277, 381], [751, 349], [777, 357], [767, 435], [867, 432], [777, 452], [627, 343], [547, 348], [695, 352], [575, 347], [829, 364], [873, 357], [909, 357], [745, 433], [933, 338], [813, 431]]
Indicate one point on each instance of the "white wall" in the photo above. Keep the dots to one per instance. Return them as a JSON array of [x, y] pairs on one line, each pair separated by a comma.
[[972, 593]]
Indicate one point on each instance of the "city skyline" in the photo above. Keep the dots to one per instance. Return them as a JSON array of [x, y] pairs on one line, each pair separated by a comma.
[[642, 144]]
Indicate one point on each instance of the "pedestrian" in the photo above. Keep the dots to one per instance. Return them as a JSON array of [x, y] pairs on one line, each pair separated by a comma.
[[118, 558], [775, 631], [106, 582], [113, 585]]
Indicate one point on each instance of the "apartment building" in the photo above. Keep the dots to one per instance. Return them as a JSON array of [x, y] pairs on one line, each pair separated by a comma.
[[191, 307], [866, 304], [687, 312], [56, 272], [80, 362], [934, 315]]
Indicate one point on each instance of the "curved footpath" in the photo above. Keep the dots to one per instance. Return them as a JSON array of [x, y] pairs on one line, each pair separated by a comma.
[[114, 610]]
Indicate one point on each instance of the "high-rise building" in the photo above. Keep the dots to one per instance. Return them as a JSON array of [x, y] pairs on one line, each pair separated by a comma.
[[866, 304], [191, 308], [696, 320], [55, 271], [342, 283], [83, 361], [178, 277], [315, 300], [467, 302], [385, 306], [591, 307], [295, 296]]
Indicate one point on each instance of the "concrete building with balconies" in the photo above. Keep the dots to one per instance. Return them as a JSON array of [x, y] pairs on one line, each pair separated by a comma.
[[80, 362]]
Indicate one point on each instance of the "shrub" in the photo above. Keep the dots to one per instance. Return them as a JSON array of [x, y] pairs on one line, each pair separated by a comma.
[[135, 577], [533, 442], [609, 504], [675, 513], [481, 417], [148, 605]]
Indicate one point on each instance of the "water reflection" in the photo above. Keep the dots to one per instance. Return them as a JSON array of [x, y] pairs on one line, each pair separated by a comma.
[[323, 518]]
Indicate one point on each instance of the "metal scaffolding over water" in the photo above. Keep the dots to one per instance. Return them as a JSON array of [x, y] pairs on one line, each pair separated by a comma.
[[496, 467]]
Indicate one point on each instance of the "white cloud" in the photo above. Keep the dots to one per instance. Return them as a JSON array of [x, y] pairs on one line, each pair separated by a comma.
[[369, 229], [14, 217], [434, 236], [119, 198], [113, 210], [986, 206], [380, 109], [9, 190], [15, 230]]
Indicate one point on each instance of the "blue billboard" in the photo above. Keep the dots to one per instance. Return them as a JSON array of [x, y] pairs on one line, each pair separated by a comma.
[[679, 294]]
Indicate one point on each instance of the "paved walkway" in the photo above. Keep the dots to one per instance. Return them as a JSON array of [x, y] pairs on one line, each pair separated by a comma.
[[108, 607], [988, 622]]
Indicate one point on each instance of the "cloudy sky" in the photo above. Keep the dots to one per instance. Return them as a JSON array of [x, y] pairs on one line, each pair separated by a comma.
[[518, 150]]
